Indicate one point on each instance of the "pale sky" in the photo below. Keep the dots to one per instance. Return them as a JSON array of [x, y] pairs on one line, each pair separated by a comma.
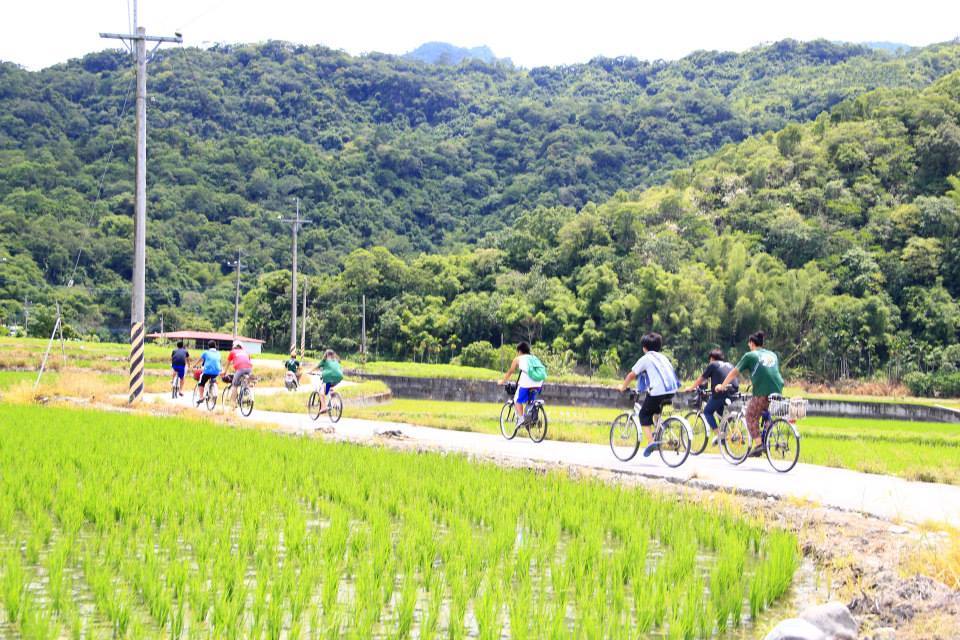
[[39, 33]]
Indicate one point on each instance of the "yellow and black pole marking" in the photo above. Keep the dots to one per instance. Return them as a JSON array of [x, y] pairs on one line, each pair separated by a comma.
[[136, 362]]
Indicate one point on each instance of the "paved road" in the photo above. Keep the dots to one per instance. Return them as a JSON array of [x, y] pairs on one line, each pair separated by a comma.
[[883, 496]]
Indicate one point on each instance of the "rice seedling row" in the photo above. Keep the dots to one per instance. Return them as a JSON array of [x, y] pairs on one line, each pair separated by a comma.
[[116, 525]]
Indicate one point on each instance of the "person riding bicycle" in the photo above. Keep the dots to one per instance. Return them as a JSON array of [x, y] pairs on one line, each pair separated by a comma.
[[292, 377], [530, 382], [179, 358], [654, 374], [763, 367], [210, 361], [715, 373], [331, 374], [239, 359]]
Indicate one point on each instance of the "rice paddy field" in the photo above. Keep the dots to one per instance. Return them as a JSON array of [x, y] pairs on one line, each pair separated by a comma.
[[124, 525], [926, 451]]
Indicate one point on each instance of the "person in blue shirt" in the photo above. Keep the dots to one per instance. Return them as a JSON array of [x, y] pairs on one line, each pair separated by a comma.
[[210, 361], [654, 374]]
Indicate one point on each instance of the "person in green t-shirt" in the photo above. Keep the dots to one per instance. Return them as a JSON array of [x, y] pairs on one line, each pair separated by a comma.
[[292, 377], [331, 373], [763, 367]]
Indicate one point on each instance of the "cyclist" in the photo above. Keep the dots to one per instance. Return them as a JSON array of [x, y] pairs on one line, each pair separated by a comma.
[[179, 358], [292, 377], [242, 366], [210, 361], [654, 374], [715, 373], [331, 374], [763, 367], [530, 382]]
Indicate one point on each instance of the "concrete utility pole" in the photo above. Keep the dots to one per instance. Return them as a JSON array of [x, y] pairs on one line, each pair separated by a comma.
[[363, 326], [161, 326], [137, 43], [26, 315], [236, 300], [295, 227], [303, 321]]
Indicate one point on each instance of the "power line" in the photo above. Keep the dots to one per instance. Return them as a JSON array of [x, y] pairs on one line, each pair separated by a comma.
[[103, 175]]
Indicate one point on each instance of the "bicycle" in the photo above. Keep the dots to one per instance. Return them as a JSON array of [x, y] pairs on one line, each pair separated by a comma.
[[534, 416], [210, 394], [175, 387], [699, 432], [672, 434], [779, 434], [244, 399], [334, 406]]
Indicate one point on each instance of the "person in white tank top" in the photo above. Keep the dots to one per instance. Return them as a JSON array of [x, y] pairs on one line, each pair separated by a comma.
[[527, 389]]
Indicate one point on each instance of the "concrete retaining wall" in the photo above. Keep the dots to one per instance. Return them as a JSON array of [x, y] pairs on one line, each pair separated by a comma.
[[598, 396]]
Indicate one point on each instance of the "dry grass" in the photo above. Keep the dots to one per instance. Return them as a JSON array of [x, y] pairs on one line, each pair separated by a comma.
[[937, 557], [855, 388]]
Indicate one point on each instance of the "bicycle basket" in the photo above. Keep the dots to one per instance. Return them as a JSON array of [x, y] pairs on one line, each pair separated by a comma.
[[798, 409], [227, 378], [788, 408], [510, 388], [738, 402]]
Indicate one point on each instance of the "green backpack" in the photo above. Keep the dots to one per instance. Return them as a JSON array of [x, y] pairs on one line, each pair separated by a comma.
[[535, 369], [332, 372]]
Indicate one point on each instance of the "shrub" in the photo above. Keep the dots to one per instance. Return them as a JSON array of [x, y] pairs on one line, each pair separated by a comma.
[[479, 354], [920, 384], [947, 385]]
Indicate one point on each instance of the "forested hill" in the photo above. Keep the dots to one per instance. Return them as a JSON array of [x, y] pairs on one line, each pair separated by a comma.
[[381, 150], [840, 237]]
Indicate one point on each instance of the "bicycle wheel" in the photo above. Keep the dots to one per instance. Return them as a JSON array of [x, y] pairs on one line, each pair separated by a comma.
[[700, 435], [245, 400], [736, 441], [225, 398], [508, 420], [211, 396], [335, 407], [782, 445], [313, 405], [175, 388], [196, 396], [624, 437], [674, 441], [538, 427]]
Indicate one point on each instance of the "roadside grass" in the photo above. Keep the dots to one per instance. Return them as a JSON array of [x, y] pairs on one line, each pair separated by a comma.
[[205, 531], [424, 370], [297, 402], [928, 452]]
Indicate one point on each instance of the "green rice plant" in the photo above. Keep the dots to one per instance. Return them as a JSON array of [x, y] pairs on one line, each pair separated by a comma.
[[36, 623], [14, 583], [186, 534]]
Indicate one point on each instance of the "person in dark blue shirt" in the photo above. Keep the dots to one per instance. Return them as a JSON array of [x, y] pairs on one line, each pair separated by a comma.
[[179, 358]]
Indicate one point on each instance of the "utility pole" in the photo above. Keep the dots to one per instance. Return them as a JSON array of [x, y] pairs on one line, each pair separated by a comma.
[[161, 326], [303, 321], [236, 300], [137, 43], [26, 315], [295, 227], [363, 326]]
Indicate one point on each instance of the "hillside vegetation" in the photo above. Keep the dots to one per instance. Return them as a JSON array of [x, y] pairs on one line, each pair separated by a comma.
[[839, 237], [381, 150]]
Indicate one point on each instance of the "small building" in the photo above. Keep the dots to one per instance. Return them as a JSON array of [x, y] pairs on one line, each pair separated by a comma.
[[198, 340]]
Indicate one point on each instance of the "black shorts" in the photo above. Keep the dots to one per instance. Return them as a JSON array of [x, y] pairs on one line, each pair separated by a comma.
[[652, 406], [208, 376]]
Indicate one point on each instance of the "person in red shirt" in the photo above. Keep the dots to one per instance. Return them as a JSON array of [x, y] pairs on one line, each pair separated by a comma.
[[239, 359]]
